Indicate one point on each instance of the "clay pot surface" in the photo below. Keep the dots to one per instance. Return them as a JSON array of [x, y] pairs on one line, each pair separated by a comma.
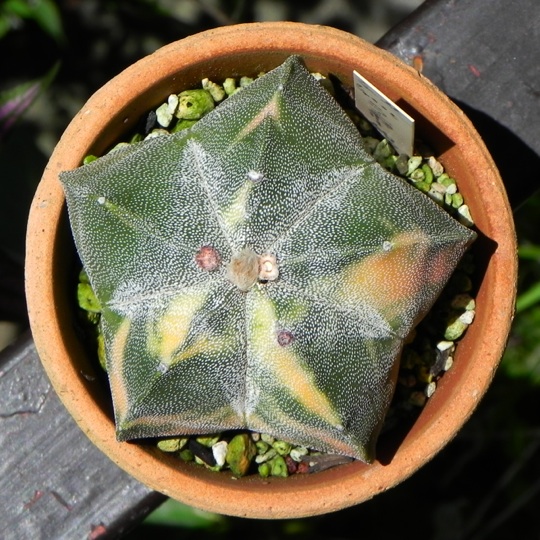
[[246, 50]]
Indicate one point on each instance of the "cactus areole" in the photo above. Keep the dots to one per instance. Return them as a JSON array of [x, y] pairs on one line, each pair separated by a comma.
[[259, 270]]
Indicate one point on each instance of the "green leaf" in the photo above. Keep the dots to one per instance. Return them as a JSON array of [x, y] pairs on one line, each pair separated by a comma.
[[529, 252], [44, 12], [528, 298], [259, 270], [15, 101], [174, 513]]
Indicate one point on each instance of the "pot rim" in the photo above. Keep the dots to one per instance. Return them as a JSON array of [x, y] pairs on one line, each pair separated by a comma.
[[119, 103]]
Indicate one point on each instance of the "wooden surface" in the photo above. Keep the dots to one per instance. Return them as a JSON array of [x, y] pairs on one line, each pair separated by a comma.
[[484, 55], [55, 484]]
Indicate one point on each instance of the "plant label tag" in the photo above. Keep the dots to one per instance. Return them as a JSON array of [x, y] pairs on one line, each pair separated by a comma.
[[392, 121]]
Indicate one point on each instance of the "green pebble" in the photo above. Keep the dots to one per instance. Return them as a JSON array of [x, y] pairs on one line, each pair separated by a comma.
[[245, 81], [428, 173], [183, 124], [208, 441], [216, 91], [413, 164], [267, 438], [278, 467], [455, 330], [445, 180], [298, 452], [402, 165], [457, 200], [186, 455], [229, 85], [390, 162], [157, 132], [267, 456], [264, 470], [423, 374], [417, 175], [282, 448], [87, 299], [101, 351], [363, 125], [93, 318], [422, 186], [240, 453], [194, 104], [436, 192], [383, 151], [171, 445], [417, 398], [214, 468], [83, 276], [88, 159], [262, 447]]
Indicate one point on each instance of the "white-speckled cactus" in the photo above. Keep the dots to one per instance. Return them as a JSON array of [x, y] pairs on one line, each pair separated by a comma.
[[258, 270]]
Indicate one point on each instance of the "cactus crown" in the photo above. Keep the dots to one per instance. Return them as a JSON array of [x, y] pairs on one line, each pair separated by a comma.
[[259, 270]]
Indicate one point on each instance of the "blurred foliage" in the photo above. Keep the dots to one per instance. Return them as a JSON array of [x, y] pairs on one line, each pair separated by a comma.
[[486, 483], [15, 101], [45, 13], [522, 357]]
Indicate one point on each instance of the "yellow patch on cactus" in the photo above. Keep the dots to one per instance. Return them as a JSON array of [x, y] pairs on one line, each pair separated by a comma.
[[167, 334], [286, 367]]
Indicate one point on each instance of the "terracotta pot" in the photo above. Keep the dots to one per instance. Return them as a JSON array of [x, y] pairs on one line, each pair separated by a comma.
[[248, 49]]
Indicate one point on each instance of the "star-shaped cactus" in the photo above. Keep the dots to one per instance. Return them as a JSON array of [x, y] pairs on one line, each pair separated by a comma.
[[259, 270]]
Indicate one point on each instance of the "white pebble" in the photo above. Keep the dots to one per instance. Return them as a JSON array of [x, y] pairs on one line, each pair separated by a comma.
[[267, 438], [430, 389], [267, 456], [464, 215], [156, 133], [298, 452], [444, 345], [219, 450], [435, 166], [172, 103], [467, 317], [163, 115]]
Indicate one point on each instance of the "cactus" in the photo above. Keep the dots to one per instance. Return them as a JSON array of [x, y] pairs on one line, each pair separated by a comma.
[[258, 270]]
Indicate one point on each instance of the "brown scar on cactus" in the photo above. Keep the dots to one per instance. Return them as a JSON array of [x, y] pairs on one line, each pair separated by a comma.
[[285, 337], [208, 258]]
